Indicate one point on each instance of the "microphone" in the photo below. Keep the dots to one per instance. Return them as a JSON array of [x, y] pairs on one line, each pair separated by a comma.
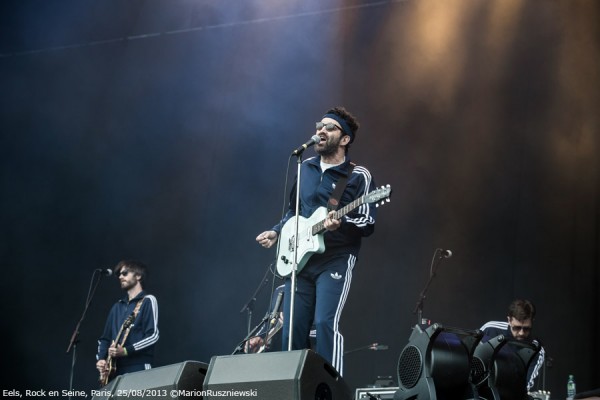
[[275, 312], [105, 272], [313, 140], [446, 253]]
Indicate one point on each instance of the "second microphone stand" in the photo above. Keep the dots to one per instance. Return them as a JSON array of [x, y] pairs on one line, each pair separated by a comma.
[[249, 306], [435, 262], [72, 348]]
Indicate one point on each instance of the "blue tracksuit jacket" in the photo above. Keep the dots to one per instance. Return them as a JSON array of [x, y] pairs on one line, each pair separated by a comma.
[[142, 337]]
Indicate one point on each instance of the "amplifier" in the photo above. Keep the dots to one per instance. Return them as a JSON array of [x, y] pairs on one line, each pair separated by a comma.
[[383, 393]]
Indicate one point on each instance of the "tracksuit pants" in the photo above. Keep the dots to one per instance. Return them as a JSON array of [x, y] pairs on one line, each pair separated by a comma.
[[321, 290]]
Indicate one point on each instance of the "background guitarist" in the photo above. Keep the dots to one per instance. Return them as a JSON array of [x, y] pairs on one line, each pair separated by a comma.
[[324, 282], [138, 351]]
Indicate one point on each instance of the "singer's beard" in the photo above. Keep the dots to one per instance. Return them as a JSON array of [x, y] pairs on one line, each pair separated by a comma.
[[126, 285], [330, 147]]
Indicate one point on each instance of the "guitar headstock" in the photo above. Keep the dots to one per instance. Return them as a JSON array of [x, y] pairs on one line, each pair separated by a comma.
[[379, 196]]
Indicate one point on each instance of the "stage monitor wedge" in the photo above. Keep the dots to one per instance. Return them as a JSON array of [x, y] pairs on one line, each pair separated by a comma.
[[177, 381], [290, 375]]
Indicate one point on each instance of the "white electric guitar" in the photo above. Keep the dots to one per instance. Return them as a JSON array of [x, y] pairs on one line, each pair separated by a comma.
[[311, 229]]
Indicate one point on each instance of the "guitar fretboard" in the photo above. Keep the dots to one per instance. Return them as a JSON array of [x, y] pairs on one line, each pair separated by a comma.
[[320, 226]]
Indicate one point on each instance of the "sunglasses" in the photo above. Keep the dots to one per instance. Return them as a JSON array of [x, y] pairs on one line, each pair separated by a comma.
[[124, 272], [329, 127], [517, 328]]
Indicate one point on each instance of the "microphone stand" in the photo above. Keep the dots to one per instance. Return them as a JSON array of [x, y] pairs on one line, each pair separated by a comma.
[[435, 262], [250, 303], [240, 347], [295, 264], [75, 336], [372, 346], [264, 326]]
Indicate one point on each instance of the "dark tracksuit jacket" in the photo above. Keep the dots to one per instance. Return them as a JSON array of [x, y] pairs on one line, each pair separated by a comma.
[[492, 329], [142, 336]]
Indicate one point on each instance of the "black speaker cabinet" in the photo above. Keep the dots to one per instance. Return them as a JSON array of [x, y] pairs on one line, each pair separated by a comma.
[[290, 375], [436, 364], [177, 381], [105, 392], [499, 368]]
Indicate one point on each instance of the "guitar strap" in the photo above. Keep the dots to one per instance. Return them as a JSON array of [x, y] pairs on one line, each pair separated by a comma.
[[135, 312], [340, 186]]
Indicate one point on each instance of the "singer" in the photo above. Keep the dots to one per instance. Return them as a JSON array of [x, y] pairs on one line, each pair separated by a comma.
[[324, 281], [131, 329]]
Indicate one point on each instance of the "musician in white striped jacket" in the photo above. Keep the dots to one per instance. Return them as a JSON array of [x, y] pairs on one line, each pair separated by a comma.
[[129, 347], [519, 324]]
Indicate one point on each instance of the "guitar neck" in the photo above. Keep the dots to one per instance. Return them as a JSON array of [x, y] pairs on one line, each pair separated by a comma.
[[320, 226], [121, 335], [118, 341]]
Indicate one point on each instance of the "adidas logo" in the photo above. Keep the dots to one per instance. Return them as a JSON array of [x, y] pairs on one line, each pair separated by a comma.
[[336, 276]]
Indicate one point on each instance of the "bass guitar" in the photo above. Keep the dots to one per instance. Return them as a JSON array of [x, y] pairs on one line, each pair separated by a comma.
[[311, 230], [111, 367]]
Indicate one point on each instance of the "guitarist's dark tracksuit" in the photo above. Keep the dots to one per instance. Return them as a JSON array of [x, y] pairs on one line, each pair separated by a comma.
[[323, 283], [492, 329], [142, 336]]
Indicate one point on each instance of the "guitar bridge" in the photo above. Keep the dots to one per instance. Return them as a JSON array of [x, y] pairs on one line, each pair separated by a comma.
[[291, 243]]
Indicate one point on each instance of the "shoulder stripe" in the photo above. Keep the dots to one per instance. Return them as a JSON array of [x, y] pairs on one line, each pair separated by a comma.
[[495, 324], [150, 340], [364, 210]]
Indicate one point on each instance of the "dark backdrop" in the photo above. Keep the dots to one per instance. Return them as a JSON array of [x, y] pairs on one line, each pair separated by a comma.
[[160, 130]]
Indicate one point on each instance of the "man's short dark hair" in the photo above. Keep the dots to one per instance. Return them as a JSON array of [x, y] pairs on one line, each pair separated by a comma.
[[350, 120], [137, 267], [521, 310]]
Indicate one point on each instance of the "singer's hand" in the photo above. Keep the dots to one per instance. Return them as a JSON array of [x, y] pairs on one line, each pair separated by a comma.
[[331, 224], [267, 239]]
